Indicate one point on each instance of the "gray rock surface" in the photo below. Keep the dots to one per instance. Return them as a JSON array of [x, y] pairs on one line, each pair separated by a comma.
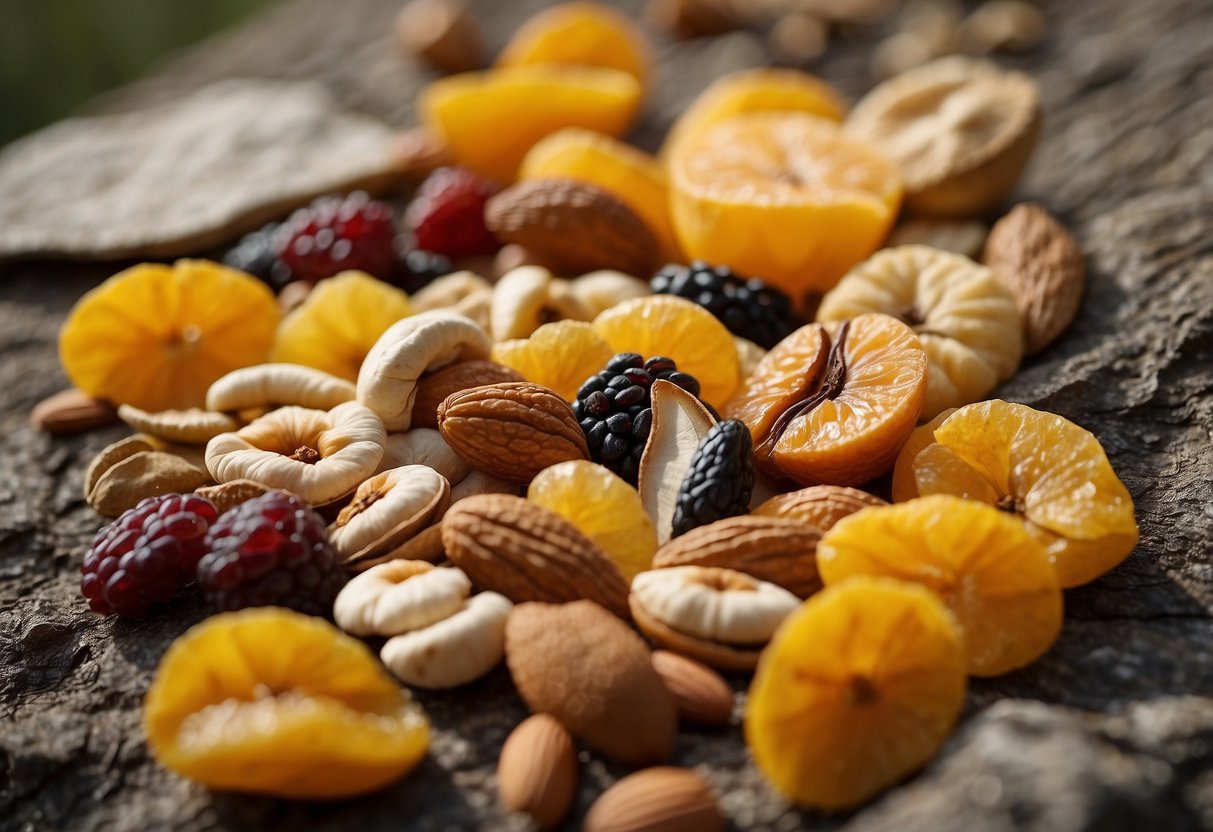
[[1111, 730]]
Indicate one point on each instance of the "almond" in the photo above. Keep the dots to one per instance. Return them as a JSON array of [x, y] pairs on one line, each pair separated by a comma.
[[820, 506], [527, 553], [512, 430], [433, 388], [71, 411], [537, 770], [592, 672], [1035, 257], [663, 799], [701, 695], [573, 226], [773, 549]]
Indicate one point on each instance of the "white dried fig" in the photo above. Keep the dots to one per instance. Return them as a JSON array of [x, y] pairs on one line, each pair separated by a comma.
[[387, 510], [424, 446], [399, 596], [188, 426], [454, 651], [276, 385], [712, 603]]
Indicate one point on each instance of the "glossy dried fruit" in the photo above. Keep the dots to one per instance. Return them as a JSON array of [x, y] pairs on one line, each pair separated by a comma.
[[559, 355], [579, 34], [719, 480], [904, 486]]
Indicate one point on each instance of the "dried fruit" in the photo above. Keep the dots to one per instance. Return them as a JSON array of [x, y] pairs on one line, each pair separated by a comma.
[[965, 319], [573, 226], [833, 403], [441, 32], [662, 798], [433, 388], [588, 669], [387, 510], [701, 695], [1034, 256], [579, 34], [275, 385], [296, 690], [783, 196], [559, 355], [537, 770], [338, 323], [193, 426], [904, 486], [512, 430], [712, 603], [603, 507], [130, 478], [338, 234], [527, 297], [858, 689], [719, 479], [527, 553], [446, 215], [156, 336], [961, 130], [748, 307], [680, 423], [256, 253], [72, 411], [449, 290], [1045, 471], [819, 506]]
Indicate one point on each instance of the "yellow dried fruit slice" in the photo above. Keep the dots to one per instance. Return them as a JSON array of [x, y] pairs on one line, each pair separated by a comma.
[[560, 356], [904, 486], [580, 34], [858, 688], [995, 578], [270, 701], [603, 507], [155, 336], [339, 322]]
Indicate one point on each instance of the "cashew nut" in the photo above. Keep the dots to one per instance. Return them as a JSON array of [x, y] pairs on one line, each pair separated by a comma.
[[399, 596], [456, 650], [275, 385], [713, 603]]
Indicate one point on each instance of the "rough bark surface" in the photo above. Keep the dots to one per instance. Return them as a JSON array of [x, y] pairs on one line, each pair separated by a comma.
[[1112, 730]]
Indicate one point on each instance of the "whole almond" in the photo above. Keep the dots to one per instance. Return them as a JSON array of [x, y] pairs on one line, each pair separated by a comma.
[[1042, 264], [71, 411], [527, 553], [573, 227], [818, 505], [701, 695], [433, 388], [662, 799], [774, 549], [589, 670], [443, 33], [537, 770], [512, 430]]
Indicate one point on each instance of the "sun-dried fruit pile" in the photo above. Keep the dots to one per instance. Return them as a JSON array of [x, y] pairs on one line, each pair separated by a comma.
[[500, 430]]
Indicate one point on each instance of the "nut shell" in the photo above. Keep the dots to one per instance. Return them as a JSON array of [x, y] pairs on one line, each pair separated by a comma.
[[138, 476], [537, 770], [434, 387], [663, 799]]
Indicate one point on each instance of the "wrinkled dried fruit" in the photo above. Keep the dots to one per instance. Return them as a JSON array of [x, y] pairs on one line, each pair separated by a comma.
[[193, 426]]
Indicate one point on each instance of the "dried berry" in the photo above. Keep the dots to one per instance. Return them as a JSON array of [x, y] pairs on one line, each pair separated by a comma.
[[748, 307], [720, 480], [257, 254], [447, 214], [334, 234]]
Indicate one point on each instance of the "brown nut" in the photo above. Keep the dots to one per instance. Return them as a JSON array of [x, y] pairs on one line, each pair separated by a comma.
[[436, 386], [537, 770], [143, 474], [71, 411], [111, 455], [820, 506], [701, 695], [442, 33], [512, 430], [231, 494], [663, 799], [584, 666]]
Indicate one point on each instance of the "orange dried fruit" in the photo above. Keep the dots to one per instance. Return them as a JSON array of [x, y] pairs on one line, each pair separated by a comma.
[[782, 196], [1047, 472], [833, 403], [684, 331], [491, 119], [560, 356], [603, 507], [904, 486], [755, 91], [580, 34], [984, 565], [155, 336], [632, 175], [858, 688], [338, 323], [270, 701]]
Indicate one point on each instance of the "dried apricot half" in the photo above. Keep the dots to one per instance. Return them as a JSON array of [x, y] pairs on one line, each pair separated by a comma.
[[904, 486], [1047, 472], [858, 688], [560, 355], [155, 336], [833, 403], [995, 578], [580, 34], [270, 701]]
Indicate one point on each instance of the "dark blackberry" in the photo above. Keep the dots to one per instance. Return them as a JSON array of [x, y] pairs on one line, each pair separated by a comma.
[[337, 234], [270, 551], [256, 254], [416, 268], [720, 480], [748, 308], [147, 554], [615, 408]]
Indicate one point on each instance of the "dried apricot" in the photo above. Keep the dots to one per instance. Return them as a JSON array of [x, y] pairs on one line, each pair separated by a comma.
[[274, 702], [339, 322], [560, 355], [904, 486], [995, 578], [155, 336], [833, 403], [859, 688], [580, 34], [1047, 472]]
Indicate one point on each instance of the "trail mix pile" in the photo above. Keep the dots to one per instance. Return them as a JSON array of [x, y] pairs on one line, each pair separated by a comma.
[[625, 422]]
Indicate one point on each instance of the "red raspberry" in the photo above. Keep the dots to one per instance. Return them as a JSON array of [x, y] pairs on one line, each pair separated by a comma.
[[270, 551], [447, 214], [334, 235], [147, 554]]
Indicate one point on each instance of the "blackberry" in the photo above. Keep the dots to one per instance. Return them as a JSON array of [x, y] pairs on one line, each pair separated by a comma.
[[720, 480], [257, 254], [335, 234], [748, 308], [416, 268], [270, 551], [615, 409], [146, 555]]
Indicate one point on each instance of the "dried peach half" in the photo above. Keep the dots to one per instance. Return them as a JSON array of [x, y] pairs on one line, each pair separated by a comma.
[[1045, 471], [580, 34], [995, 578], [858, 688], [155, 336], [270, 701], [904, 486], [833, 403]]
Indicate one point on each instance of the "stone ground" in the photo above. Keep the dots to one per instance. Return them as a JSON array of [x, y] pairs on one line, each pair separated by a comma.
[[1112, 730]]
